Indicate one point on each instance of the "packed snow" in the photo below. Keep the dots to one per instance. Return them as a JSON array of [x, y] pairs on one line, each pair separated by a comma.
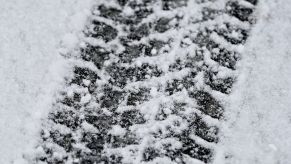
[[32, 32], [258, 130]]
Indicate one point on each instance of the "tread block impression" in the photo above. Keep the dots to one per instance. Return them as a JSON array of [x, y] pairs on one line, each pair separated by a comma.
[[240, 12], [146, 84]]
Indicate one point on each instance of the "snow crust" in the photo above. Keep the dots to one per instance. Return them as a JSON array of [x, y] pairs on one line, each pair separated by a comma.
[[33, 33], [258, 130]]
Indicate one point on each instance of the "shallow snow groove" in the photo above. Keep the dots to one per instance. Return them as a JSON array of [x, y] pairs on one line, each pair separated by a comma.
[[260, 111], [31, 68]]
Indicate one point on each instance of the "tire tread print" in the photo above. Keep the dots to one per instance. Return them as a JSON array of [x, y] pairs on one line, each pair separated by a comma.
[[144, 92]]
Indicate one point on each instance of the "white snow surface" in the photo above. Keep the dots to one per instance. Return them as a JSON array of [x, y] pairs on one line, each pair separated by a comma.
[[31, 67], [258, 130]]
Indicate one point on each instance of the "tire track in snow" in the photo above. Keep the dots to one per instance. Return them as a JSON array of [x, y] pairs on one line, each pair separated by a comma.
[[148, 83]]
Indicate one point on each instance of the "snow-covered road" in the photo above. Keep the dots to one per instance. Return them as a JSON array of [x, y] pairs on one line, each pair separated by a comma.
[[260, 110], [31, 68], [258, 126]]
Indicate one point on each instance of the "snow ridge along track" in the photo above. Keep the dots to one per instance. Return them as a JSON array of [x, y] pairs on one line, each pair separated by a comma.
[[149, 83]]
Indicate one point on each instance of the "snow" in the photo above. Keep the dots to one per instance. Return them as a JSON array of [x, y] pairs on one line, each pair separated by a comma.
[[34, 33], [258, 126], [31, 67], [117, 130]]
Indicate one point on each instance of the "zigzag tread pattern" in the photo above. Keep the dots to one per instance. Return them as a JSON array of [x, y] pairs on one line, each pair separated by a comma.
[[149, 82]]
